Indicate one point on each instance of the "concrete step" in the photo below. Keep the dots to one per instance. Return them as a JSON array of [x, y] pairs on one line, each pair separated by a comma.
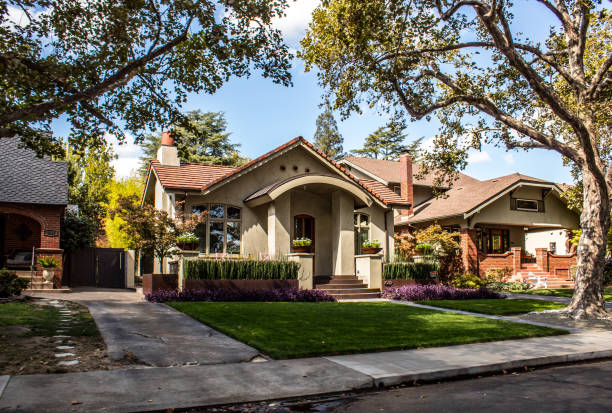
[[41, 286], [353, 291], [356, 296], [344, 277], [341, 286]]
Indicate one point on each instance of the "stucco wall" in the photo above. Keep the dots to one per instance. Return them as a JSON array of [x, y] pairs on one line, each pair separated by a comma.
[[421, 194], [541, 238]]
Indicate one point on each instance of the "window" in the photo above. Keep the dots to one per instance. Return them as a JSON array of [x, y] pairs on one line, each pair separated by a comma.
[[304, 227], [527, 205], [493, 241], [362, 231], [221, 233]]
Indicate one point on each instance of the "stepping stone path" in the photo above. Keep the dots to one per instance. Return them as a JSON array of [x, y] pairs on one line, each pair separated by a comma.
[[65, 321]]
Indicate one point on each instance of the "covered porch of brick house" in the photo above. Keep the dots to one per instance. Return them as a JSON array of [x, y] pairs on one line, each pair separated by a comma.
[[27, 233], [493, 246]]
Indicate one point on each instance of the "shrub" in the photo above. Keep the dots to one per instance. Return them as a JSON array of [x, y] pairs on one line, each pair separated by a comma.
[[226, 294], [48, 262], [497, 275], [11, 284], [240, 270], [508, 286], [301, 242], [437, 292], [418, 271], [468, 281]]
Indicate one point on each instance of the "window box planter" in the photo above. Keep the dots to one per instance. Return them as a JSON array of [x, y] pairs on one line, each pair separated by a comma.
[[370, 250], [301, 248], [187, 246]]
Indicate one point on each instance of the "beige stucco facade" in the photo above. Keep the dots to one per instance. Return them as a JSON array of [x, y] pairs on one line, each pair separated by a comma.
[[267, 224]]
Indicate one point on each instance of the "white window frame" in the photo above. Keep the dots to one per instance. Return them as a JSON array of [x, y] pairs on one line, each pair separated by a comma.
[[537, 206]]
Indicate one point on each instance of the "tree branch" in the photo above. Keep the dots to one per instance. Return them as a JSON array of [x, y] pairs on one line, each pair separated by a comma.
[[445, 15], [602, 76], [121, 77]]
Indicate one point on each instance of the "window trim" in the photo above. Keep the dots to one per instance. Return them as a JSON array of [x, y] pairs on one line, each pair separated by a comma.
[[223, 220], [535, 201], [357, 230]]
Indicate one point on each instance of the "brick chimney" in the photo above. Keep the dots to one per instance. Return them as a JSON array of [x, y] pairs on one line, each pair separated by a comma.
[[406, 182], [167, 154]]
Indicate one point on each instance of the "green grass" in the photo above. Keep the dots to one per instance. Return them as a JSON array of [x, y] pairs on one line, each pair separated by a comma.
[[44, 320], [496, 306], [289, 330], [562, 292]]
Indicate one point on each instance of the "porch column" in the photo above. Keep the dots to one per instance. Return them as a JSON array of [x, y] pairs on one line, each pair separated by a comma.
[[305, 273], [279, 226], [542, 258], [517, 253], [343, 234], [369, 269], [469, 252]]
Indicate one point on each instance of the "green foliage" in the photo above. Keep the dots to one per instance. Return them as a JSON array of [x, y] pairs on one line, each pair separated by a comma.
[[301, 242], [497, 275], [237, 269], [445, 248], [11, 284], [387, 142], [89, 176], [468, 281], [419, 271], [508, 286], [205, 140], [188, 237], [327, 138], [497, 306], [424, 248], [77, 232], [128, 187], [122, 67], [371, 244], [48, 262]]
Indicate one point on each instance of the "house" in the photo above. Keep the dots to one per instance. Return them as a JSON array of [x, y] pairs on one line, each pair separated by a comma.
[[33, 197], [290, 192], [514, 221]]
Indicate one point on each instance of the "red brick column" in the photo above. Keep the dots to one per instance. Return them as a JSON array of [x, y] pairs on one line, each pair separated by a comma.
[[469, 251], [516, 259], [542, 258]]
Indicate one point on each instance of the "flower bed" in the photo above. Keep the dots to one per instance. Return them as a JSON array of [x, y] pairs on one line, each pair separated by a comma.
[[418, 271], [437, 292], [223, 294], [209, 269]]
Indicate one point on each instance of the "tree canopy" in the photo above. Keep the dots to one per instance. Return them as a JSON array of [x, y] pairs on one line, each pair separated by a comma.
[[327, 138], [125, 66], [117, 189], [465, 63], [205, 140], [388, 143]]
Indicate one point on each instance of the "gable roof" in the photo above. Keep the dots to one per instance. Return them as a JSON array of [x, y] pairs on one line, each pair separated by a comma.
[[469, 198], [210, 177], [25, 178], [390, 172]]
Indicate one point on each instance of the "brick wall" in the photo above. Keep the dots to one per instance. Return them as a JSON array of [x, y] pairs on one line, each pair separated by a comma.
[[561, 264], [495, 261], [469, 252]]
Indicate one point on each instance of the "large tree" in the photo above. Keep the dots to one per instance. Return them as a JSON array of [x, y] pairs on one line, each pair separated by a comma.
[[388, 143], [125, 66], [204, 140], [464, 61], [327, 138]]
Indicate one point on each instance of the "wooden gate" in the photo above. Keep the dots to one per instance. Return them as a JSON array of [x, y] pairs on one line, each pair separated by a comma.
[[96, 267]]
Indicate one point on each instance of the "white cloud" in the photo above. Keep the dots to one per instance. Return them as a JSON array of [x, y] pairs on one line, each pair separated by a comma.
[[128, 156], [509, 158], [479, 157], [294, 24]]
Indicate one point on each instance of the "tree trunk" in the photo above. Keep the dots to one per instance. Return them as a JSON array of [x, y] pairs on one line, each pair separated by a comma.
[[588, 300]]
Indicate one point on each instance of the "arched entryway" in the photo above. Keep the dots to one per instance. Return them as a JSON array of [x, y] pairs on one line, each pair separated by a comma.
[[19, 235]]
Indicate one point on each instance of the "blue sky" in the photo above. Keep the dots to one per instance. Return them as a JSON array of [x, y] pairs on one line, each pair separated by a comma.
[[262, 115]]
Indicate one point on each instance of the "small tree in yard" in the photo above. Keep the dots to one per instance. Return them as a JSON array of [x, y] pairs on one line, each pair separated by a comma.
[[486, 83], [150, 229], [446, 248]]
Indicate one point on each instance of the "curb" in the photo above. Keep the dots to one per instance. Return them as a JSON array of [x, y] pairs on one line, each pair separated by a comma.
[[3, 383]]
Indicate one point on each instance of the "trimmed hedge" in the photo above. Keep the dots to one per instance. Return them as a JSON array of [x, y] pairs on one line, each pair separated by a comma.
[[418, 271], [240, 270], [437, 292], [226, 294]]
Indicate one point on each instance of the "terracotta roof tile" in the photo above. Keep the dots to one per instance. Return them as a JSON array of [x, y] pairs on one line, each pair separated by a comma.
[[390, 197], [189, 176]]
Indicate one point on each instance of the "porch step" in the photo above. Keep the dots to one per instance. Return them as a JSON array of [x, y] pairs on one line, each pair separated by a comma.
[[343, 287], [41, 286]]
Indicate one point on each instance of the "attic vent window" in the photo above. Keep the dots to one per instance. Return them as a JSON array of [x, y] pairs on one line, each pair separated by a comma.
[[527, 205], [494, 180]]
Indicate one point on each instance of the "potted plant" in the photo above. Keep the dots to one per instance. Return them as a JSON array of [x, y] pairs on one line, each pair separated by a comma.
[[187, 241], [421, 251], [48, 264], [371, 247], [301, 244]]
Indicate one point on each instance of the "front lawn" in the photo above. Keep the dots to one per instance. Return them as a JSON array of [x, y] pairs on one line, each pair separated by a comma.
[[290, 330], [496, 307], [562, 292]]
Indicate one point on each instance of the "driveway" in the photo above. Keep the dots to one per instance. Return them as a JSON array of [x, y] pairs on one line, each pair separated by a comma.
[[155, 334]]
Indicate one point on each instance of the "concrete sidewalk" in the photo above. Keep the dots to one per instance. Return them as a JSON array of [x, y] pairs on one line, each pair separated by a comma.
[[198, 386]]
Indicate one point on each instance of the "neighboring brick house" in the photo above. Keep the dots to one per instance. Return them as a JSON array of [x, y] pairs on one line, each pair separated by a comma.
[[514, 221], [33, 197]]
